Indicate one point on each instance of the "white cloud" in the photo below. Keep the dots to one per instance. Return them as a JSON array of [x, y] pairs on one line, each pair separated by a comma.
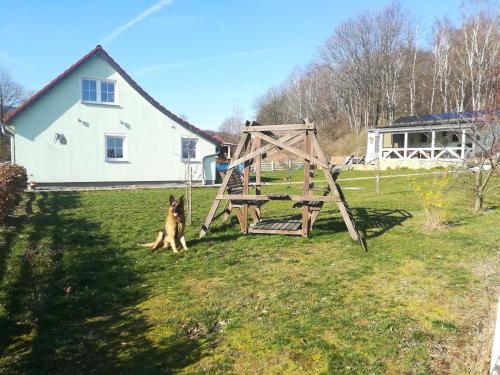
[[139, 18], [6, 59], [204, 60]]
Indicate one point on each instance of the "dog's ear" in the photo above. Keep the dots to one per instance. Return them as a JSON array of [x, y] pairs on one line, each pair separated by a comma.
[[181, 199], [171, 199]]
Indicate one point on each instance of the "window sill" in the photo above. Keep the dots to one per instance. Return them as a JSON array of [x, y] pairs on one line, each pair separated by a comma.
[[191, 160], [116, 160], [115, 104]]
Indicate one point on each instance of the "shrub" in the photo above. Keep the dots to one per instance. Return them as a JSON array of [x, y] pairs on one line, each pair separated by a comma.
[[433, 200], [13, 181]]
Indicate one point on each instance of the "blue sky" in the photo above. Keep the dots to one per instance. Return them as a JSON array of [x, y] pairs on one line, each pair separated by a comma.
[[198, 58]]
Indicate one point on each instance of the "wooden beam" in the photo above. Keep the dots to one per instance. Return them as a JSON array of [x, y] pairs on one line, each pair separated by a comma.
[[265, 149], [264, 197], [333, 186], [243, 142], [246, 181], [275, 231], [258, 170], [271, 128], [293, 150]]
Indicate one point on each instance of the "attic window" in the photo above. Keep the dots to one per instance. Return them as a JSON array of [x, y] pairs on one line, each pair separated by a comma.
[[98, 91]]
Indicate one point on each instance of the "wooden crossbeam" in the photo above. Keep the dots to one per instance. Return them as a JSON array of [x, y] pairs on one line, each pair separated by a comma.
[[264, 149], [293, 150], [271, 128], [283, 197]]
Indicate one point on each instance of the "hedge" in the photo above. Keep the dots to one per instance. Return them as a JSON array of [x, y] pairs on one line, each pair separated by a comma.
[[13, 181]]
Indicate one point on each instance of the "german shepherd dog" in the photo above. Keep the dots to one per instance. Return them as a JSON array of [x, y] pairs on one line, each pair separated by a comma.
[[175, 225]]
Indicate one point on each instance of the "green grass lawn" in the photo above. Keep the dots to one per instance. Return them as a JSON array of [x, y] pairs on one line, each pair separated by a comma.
[[78, 296]]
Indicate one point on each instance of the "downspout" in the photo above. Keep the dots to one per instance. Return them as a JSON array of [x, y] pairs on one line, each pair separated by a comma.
[[203, 165], [9, 134]]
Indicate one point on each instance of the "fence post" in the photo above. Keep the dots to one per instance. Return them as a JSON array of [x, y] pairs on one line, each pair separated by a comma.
[[272, 166]]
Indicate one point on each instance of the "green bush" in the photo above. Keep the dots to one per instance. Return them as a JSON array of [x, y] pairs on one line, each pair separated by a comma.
[[13, 181]]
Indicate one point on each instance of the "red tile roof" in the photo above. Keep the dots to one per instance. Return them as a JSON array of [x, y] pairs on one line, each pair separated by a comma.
[[99, 51]]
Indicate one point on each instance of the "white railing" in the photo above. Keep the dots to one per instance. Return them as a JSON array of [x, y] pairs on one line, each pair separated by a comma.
[[424, 153], [270, 166]]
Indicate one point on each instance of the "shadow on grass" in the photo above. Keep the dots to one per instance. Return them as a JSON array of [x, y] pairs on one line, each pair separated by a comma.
[[370, 222], [375, 222], [71, 307]]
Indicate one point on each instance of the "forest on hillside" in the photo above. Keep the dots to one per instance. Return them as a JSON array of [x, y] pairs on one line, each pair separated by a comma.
[[374, 67]]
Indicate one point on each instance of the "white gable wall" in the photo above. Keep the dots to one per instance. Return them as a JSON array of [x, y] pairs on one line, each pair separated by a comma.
[[153, 140]]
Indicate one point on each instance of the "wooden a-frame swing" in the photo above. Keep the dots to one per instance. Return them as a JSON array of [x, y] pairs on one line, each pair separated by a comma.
[[257, 142]]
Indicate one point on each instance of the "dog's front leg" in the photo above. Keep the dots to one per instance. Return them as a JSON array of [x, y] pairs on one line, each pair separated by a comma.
[[183, 242]]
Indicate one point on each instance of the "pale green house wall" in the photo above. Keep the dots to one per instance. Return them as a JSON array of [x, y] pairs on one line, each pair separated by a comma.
[[153, 139]]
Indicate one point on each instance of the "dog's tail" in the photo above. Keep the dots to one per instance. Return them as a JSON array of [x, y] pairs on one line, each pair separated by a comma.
[[155, 244], [149, 244]]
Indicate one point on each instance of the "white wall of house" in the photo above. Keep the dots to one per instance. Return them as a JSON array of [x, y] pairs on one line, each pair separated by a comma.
[[152, 143]]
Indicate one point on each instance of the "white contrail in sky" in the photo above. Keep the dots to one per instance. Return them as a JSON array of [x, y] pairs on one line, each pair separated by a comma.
[[204, 60], [139, 18]]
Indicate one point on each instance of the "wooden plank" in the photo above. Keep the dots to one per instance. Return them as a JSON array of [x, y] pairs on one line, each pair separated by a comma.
[[291, 149], [282, 127], [271, 231], [243, 141], [270, 197]]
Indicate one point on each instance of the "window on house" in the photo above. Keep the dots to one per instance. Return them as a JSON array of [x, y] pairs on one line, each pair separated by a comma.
[[98, 91], [89, 90], [107, 92], [188, 148], [454, 138], [423, 137], [115, 147], [398, 140]]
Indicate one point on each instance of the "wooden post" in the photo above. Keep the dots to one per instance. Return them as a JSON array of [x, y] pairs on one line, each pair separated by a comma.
[[241, 145], [462, 149], [433, 143], [258, 165], [333, 187], [405, 151], [307, 191], [246, 182], [258, 170]]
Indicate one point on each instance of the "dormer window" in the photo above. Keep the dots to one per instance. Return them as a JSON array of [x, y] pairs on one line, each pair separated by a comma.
[[98, 91]]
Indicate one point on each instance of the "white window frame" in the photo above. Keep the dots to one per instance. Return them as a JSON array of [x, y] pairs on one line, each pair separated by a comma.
[[196, 150], [125, 147], [98, 91]]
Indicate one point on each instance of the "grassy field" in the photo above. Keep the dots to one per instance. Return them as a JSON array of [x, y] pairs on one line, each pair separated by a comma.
[[78, 296]]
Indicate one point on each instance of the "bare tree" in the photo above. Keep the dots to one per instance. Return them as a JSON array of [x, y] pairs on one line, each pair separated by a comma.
[[481, 167], [11, 94], [230, 128], [481, 45]]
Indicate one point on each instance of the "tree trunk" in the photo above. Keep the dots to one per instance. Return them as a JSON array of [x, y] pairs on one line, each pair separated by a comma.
[[478, 201]]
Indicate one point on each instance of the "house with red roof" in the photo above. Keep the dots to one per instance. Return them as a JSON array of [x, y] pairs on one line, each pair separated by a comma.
[[94, 125]]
